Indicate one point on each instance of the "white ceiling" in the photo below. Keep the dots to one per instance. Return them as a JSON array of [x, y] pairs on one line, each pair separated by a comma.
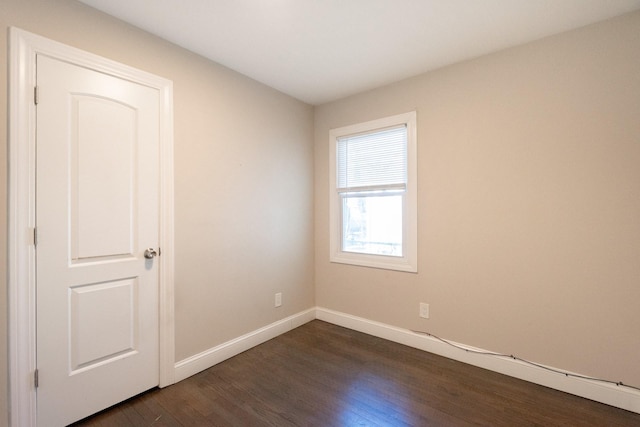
[[322, 50]]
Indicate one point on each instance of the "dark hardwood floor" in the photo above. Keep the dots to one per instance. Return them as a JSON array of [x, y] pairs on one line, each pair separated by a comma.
[[325, 375]]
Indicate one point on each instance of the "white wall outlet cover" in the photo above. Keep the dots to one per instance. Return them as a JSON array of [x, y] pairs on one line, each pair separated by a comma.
[[424, 310]]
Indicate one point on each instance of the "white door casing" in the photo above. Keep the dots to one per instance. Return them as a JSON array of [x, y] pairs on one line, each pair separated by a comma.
[[101, 268]]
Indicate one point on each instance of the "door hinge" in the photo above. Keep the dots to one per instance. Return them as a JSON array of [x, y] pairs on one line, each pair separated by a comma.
[[36, 95], [35, 236], [36, 381]]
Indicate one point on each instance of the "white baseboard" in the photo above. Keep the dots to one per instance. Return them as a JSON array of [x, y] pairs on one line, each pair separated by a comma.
[[610, 394], [208, 358]]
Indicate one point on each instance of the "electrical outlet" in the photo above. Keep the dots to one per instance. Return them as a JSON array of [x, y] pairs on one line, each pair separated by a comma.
[[424, 310], [278, 299]]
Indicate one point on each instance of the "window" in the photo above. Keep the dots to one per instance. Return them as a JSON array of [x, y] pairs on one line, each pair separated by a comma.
[[373, 193]]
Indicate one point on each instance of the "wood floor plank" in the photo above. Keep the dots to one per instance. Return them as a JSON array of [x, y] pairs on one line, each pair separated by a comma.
[[324, 375]]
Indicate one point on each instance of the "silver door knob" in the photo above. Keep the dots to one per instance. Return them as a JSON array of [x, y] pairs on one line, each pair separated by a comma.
[[150, 253]]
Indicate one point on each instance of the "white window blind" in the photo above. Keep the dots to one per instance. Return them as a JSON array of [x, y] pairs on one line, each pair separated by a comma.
[[372, 161]]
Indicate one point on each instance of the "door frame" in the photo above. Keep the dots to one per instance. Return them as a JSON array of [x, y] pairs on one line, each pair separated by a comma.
[[23, 48]]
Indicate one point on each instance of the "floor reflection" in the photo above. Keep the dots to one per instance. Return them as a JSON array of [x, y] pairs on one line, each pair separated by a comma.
[[373, 400]]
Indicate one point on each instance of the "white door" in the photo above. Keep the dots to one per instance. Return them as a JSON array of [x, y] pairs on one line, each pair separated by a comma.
[[97, 210]]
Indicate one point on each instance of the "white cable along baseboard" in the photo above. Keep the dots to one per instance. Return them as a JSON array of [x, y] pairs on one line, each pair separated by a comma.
[[610, 394]]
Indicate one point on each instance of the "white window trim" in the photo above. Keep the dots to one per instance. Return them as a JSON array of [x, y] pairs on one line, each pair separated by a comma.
[[409, 260]]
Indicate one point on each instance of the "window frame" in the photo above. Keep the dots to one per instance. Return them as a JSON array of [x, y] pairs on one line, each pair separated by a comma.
[[408, 261]]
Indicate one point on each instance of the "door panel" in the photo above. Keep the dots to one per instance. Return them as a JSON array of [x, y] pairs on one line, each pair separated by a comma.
[[102, 181], [97, 209], [103, 323]]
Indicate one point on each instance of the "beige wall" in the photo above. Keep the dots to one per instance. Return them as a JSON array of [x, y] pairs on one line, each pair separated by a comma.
[[529, 203], [243, 180]]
